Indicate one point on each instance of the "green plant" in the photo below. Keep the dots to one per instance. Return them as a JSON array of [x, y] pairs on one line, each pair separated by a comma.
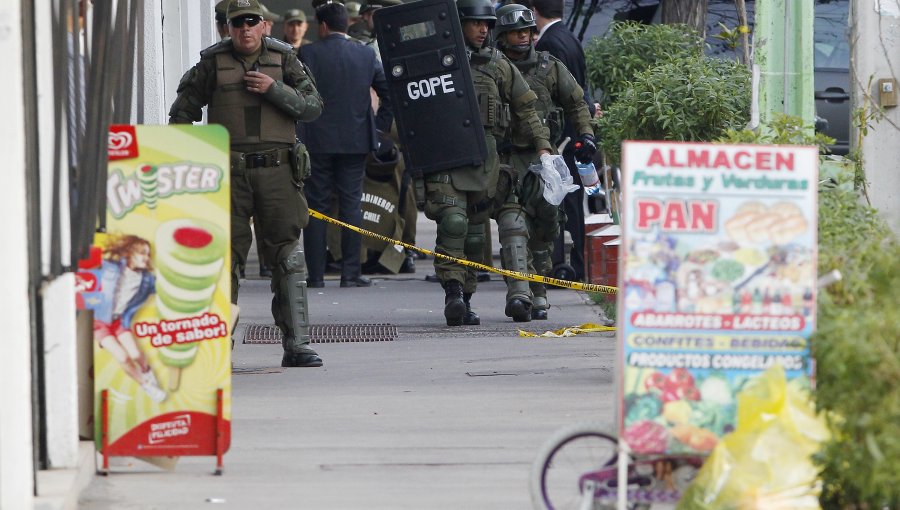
[[783, 130], [863, 118], [631, 48], [685, 99], [606, 302], [857, 350]]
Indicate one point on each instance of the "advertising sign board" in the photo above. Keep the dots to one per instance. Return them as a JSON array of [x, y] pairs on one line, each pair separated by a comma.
[[717, 283], [160, 294]]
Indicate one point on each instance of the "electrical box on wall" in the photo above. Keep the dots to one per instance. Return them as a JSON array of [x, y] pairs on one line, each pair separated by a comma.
[[887, 92]]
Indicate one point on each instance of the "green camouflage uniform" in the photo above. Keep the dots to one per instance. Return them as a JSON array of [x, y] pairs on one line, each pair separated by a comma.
[[560, 98], [461, 199], [264, 183]]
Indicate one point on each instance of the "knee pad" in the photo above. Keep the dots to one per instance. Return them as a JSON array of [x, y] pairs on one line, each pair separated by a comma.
[[475, 240], [452, 230], [511, 223], [294, 263]]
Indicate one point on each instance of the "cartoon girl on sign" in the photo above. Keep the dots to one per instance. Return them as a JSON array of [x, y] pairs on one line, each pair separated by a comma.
[[126, 281]]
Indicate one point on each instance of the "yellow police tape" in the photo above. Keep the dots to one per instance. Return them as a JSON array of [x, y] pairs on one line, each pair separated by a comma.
[[570, 331], [591, 287]]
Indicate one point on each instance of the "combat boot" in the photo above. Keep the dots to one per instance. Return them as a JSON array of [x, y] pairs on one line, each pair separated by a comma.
[[454, 306], [290, 310], [470, 318], [519, 309]]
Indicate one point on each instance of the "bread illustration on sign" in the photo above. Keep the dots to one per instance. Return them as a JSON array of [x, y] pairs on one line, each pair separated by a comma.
[[754, 223]]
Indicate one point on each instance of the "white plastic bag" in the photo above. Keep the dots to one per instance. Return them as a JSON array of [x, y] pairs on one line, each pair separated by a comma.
[[557, 180]]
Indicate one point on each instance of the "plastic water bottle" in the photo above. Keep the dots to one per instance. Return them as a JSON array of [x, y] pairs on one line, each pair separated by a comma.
[[589, 178]]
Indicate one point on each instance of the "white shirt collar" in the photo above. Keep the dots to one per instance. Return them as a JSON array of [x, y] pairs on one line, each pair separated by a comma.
[[548, 25]]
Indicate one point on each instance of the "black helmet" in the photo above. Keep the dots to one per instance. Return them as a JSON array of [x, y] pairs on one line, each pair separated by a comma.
[[514, 17], [476, 9]]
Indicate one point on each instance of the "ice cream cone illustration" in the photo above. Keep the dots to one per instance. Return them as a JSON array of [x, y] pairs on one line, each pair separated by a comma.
[[149, 186], [189, 261]]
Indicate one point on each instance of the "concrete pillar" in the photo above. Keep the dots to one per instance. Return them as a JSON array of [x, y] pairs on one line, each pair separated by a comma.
[[875, 39], [60, 375], [16, 465], [783, 55]]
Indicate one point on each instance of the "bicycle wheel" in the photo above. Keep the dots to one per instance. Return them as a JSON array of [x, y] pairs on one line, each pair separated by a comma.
[[573, 457]]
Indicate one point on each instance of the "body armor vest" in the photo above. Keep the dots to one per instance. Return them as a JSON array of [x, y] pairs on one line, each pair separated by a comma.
[[536, 71], [248, 117], [487, 78]]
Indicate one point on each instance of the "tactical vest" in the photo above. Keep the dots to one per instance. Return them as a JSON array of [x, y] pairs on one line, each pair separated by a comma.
[[487, 77], [537, 73], [248, 117]]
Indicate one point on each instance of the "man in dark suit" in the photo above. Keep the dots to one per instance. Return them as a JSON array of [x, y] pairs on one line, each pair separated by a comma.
[[340, 139], [556, 39]]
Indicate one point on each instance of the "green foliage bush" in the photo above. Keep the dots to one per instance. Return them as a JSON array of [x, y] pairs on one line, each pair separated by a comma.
[[686, 99], [857, 350], [631, 48], [857, 339]]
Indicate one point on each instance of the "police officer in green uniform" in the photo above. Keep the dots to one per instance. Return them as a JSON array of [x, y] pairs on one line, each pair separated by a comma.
[[257, 89], [560, 99], [221, 19], [460, 199], [364, 29]]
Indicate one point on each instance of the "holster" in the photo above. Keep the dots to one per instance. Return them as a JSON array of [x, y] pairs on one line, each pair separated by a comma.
[[300, 165]]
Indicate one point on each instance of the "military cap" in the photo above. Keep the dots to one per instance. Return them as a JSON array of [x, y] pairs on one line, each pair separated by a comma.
[[371, 5], [353, 9], [221, 7], [294, 15], [242, 7], [267, 14]]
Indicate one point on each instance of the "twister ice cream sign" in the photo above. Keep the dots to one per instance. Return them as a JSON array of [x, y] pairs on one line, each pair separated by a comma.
[[717, 283], [160, 293]]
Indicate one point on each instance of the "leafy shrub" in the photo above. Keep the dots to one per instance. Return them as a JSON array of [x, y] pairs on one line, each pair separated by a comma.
[[784, 130], [857, 341], [857, 350], [631, 48], [687, 99]]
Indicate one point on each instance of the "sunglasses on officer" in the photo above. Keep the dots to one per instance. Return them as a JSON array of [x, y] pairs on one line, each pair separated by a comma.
[[513, 17], [240, 21]]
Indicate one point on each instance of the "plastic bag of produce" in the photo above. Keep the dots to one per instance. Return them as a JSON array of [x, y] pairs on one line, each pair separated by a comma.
[[766, 462]]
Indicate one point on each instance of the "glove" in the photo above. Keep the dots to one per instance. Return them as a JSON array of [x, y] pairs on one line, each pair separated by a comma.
[[585, 148]]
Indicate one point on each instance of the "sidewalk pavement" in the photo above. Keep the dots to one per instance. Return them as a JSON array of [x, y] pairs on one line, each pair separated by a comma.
[[440, 418]]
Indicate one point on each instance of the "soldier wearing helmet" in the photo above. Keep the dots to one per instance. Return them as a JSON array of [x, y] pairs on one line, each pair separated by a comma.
[[560, 99], [461, 199]]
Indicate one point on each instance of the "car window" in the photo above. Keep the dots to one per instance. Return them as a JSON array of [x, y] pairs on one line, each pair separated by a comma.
[[831, 36]]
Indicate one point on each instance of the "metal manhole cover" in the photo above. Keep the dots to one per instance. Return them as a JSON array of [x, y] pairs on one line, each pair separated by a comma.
[[325, 334]]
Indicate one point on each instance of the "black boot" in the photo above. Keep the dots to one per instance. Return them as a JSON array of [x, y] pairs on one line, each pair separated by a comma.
[[519, 310], [538, 315], [301, 359], [470, 318], [454, 306], [409, 263]]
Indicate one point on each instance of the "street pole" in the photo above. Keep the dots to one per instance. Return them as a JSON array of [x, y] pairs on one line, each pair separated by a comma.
[[783, 56]]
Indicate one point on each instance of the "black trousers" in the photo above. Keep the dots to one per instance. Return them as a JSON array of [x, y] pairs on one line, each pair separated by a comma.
[[573, 206], [343, 174]]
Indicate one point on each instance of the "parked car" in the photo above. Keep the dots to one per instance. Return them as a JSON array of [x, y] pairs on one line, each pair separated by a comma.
[[832, 71], [831, 45]]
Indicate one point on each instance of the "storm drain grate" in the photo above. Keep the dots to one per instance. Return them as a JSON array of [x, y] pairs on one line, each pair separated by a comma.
[[325, 334]]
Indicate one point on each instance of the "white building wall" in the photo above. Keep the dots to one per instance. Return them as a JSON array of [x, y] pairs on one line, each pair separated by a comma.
[[16, 465], [876, 54]]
